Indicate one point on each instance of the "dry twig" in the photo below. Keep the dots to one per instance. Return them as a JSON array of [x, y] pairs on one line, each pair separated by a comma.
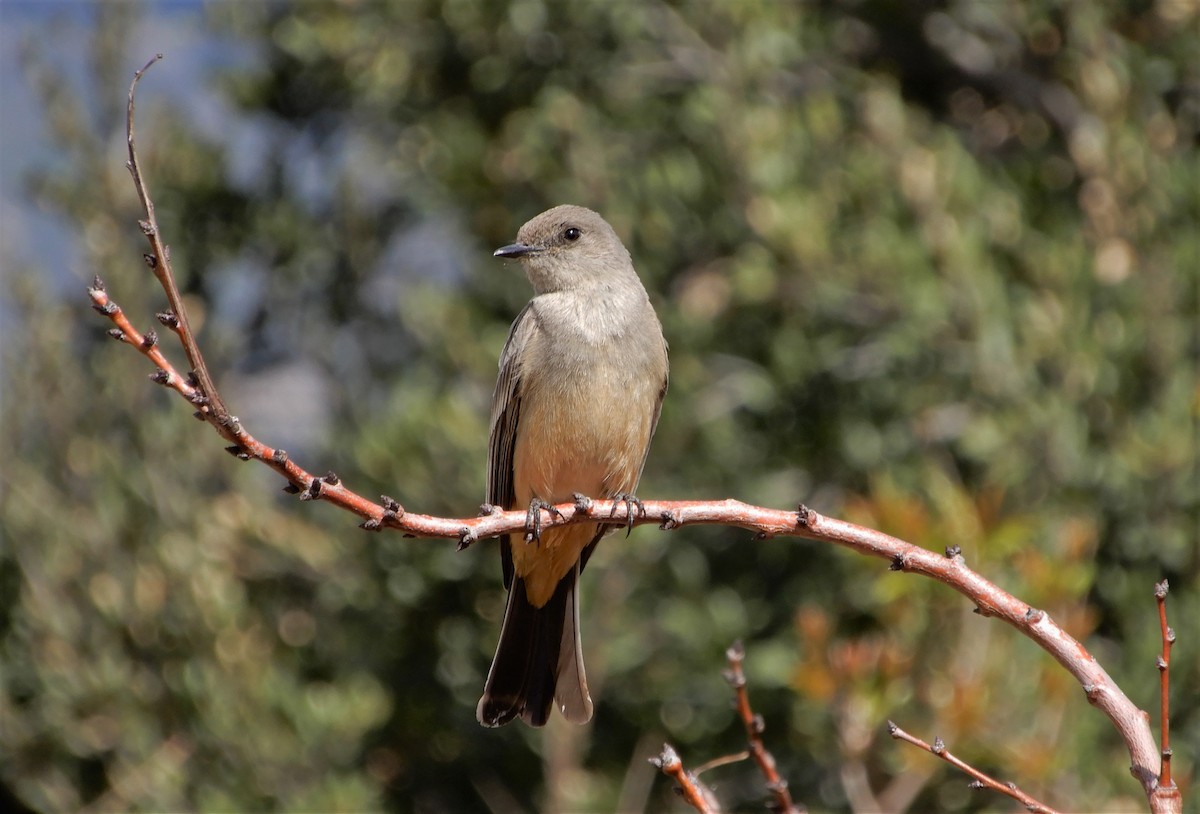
[[755, 725], [1166, 794], [981, 781]]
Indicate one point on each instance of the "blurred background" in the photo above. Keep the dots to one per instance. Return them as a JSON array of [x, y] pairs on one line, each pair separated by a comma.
[[931, 267]]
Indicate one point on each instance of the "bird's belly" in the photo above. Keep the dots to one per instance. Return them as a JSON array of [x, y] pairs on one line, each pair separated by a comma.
[[581, 437]]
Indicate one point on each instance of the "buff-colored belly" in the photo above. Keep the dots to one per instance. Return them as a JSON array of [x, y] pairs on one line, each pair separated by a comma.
[[594, 446]]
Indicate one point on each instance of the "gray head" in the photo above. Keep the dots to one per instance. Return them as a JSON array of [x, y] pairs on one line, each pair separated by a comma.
[[569, 247]]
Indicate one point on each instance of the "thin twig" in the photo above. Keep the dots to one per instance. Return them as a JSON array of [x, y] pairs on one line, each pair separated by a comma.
[[717, 762], [160, 263], [1166, 794], [1164, 671], [755, 726], [689, 788], [981, 780], [147, 343]]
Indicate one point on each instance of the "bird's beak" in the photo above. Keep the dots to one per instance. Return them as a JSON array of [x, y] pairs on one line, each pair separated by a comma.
[[515, 250]]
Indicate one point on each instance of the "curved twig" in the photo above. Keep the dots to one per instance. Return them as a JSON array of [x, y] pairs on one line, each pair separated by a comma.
[[980, 780]]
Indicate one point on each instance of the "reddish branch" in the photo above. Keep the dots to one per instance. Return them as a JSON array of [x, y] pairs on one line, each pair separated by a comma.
[[1166, 795], [689, 788], [198, 388], [159, 261], [981, 781], [754, 724]]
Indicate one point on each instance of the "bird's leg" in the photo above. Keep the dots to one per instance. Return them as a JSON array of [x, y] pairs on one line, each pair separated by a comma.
[[533, 519], [631, 513]]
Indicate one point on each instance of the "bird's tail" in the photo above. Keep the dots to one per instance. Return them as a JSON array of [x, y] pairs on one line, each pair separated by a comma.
[[539, 660]]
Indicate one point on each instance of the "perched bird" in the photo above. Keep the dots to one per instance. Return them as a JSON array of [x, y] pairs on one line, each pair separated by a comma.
[[582, 380]]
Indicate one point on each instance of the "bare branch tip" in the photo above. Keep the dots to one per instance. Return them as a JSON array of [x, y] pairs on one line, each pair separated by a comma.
[[149, 64], [667, 758], [736, 652]]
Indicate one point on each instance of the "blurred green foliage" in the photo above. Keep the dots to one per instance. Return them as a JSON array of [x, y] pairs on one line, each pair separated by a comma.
[[932, 267]]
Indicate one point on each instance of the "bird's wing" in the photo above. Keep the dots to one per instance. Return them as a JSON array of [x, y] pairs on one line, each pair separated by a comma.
[[662, 393], [506, 410]]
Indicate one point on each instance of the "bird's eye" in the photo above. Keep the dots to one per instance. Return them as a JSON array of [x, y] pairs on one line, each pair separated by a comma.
[[572, 233]]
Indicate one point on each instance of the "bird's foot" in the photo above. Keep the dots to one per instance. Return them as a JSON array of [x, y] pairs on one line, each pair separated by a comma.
[[633, 508], [533, 519]]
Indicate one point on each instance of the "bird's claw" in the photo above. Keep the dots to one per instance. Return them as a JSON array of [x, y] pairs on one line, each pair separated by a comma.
[[533, 519], [633, 508]]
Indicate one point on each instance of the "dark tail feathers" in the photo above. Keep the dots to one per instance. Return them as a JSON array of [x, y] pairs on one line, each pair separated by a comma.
[[538, 660]]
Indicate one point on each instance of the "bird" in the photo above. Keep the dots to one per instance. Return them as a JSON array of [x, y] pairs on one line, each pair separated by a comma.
[[580, 388]]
